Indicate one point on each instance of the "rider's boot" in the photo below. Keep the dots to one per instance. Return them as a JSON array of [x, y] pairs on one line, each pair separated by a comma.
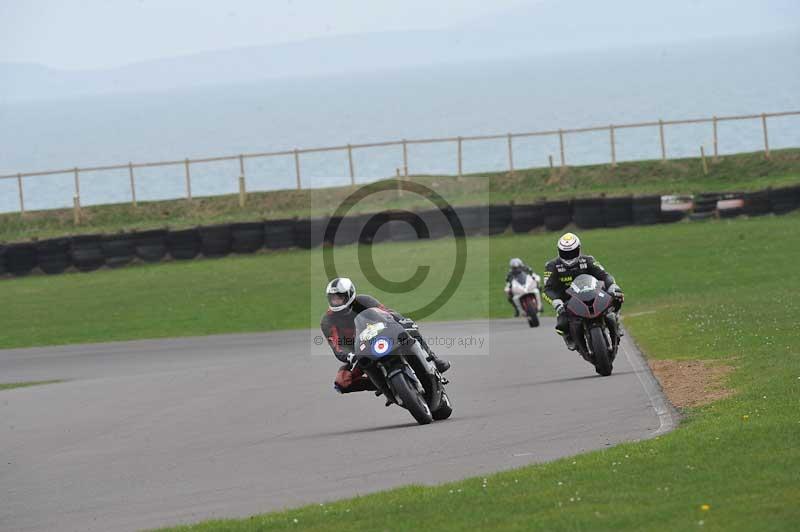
[[441, 364], [567, 340]]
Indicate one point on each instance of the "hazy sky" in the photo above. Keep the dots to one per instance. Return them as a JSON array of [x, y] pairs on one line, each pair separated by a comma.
[[77, 34]]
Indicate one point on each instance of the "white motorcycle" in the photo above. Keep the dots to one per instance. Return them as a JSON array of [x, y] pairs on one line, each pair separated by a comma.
[[524, 292]]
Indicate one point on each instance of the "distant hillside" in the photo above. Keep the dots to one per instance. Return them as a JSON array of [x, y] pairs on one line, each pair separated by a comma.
[[550, 26]]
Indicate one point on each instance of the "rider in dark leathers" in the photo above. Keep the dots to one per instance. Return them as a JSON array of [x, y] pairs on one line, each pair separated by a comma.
[[338, 326], [562, 270]]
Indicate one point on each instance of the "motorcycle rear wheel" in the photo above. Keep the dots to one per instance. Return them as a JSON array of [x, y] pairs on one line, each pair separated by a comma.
[[602, 362], [411, 399]]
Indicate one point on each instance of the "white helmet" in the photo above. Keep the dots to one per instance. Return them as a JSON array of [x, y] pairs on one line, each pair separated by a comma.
[[515, 263], [569, 248], [340, 293]]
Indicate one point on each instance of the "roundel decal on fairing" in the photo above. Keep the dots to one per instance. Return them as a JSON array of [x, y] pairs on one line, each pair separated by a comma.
[[381, 345]]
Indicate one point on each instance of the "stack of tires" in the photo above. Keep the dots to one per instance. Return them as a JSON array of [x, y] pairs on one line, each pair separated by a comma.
[[343, 231], [279, 234], [499, 218], [557, 214], [215, 240], [757, 203], [53, 255], [589, 213], [438, 223], [151, 246], [475, 220], [184, 244], [675, 208], [87, 252], [784, 199], [618, 211], [247, 237], [20, 259], [525, 218], [705, 206], [730, 205], [309, 233], [646, 210], [118, 250]]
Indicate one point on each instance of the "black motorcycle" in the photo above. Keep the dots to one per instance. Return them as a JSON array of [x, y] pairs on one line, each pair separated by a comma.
[[398, 365], [595, 331]]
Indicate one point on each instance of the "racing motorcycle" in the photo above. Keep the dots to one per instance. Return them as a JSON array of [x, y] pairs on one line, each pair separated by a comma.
[[524, 291], [398, 365], [596, 333]]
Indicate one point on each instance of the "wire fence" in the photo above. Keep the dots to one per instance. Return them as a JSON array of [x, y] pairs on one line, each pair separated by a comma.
[[403, 144]]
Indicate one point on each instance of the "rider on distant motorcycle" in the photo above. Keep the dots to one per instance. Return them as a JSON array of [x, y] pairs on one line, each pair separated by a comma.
[[562, 270], [338, 326], [516, 266]]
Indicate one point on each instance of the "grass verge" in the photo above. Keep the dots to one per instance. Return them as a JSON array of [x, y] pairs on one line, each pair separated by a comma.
[[739, 172], [696, 291]]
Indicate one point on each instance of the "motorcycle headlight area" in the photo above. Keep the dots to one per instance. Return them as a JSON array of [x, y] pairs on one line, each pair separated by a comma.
[[382, 346]]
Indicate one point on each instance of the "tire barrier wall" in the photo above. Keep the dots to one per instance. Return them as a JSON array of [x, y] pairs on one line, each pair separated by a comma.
[[53, 255], [118, 250], [151, 246], [90, 252], [183, 245], [216, 240], [557, 214]]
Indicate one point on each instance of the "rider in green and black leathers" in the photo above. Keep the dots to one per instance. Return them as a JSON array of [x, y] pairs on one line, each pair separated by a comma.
[[561, 271]]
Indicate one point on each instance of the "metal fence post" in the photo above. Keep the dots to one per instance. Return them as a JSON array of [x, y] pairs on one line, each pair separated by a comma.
[[188, 181], [561, 147], [613, 147], [350, 162], [133, 183], [21, 195], [766, 136], [297, 167], [661, 136], [716, 149], [405, 158], [510, 155], [460, 163]]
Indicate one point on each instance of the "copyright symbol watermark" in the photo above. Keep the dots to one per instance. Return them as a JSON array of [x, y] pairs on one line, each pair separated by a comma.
[[375, 222], [319, 340]]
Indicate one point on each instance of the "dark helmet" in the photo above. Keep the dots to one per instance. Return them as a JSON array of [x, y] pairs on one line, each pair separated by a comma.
[[340, 293], [569, 248]]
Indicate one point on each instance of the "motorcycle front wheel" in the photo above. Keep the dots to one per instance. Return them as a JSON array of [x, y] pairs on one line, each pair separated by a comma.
[[529, 305], [602, 361], [412, 400]]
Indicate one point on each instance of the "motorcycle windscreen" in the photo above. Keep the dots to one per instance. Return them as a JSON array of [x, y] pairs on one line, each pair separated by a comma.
[[585, 287], [374, 334], [521, 278]]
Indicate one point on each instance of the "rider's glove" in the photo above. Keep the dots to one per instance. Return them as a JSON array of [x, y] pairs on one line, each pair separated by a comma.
[[407, 323], [351, 359], [558, 306], [616, 291]]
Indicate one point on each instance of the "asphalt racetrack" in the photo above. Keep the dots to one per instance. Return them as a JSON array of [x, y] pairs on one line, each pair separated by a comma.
[[160, 432]]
